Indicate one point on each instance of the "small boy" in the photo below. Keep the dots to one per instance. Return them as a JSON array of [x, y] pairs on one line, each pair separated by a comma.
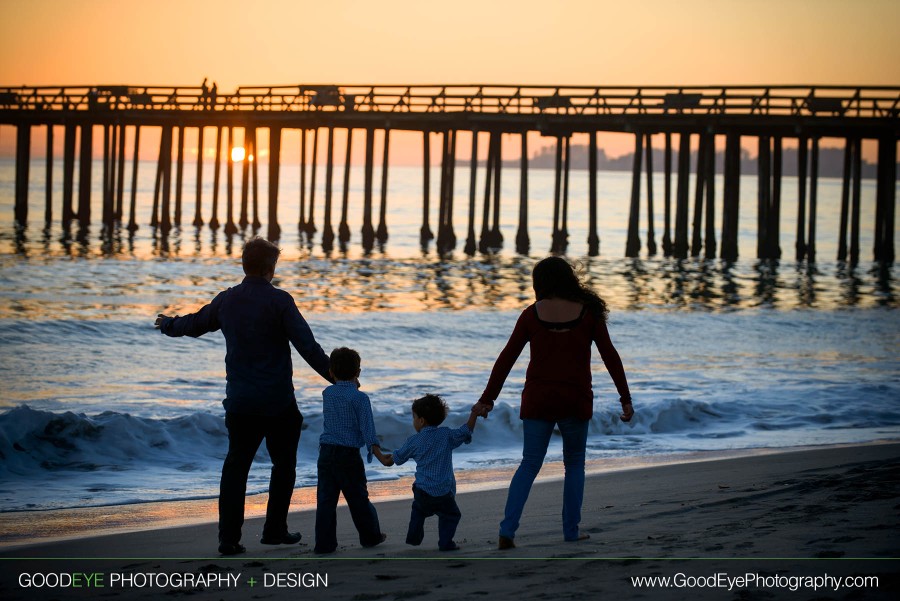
[[434, 489], [348, 426]]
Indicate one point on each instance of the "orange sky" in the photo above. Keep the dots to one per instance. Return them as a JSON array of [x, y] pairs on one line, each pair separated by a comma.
[[589, 42]]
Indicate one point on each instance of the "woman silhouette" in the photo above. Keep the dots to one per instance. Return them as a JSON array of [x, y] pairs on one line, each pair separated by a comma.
[[567, 317]]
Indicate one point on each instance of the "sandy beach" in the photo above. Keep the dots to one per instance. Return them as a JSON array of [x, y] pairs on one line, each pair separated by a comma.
[[816, 521]]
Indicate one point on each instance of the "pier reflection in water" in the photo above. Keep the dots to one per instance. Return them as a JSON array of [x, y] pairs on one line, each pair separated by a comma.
[[80, 274]]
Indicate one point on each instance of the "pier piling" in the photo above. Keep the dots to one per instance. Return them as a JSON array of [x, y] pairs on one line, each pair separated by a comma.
[[69, 139], [198, 212], [230, 227], [368, 232], [132, 217], [274, 232], [522, 241], [23, 163], [593, 236], [84, 175], [667, 197], [327, 230], [382, 234], [344, 227], [651, 234], [425, 233], [699, 181], [680, 248], [48, 178], [731, 194], [473, 169], [217, 167]]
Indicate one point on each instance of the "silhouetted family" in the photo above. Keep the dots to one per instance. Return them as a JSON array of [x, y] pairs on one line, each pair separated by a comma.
[[260, 323]]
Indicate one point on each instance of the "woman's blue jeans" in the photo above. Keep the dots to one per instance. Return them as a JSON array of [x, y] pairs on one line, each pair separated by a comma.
[[537, 438]]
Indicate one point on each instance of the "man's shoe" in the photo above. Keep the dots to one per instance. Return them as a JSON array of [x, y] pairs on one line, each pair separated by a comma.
[[505, 543], [288, 538], [231, 548]]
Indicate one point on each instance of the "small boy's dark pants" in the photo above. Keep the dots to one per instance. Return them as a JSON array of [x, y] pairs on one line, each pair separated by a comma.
[[341, 470], [245, 433], [425, 506]]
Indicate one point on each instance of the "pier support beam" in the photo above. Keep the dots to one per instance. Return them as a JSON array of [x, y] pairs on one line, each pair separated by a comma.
[[496, 238], [731, 195], [813, 201], [327, 230], [484, 242], [368, 232], [699, 181], [473, 171], [802, 170], [774, 227], [120, 176], [593, 236], [557, 194], [198, 211], [522, 241], [132, 217], [84, 175], [217, 166], [845, 200], [885, 200], [301, 223], [254, 170], [709, 172], [382, 234], [108, 169], [23, 165], [310, 225], [48, 178], [179, 175], [68, 174], [165, 220], [651, 234], [425, 233], [274, 232], [763, 197], [230, 227], [667, 194], [680, 248], [857, 201], [344, 227], [633, 244]]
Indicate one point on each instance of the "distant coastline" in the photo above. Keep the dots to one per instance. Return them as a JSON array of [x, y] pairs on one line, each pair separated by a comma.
[[831, 161]]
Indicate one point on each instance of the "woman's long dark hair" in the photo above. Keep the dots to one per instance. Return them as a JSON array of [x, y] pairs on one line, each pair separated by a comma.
[[554, 277]]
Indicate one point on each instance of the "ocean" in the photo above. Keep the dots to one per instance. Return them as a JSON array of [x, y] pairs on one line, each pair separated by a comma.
[[98, 408]]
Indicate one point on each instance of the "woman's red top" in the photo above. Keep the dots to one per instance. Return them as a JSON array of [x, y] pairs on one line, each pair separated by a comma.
[[558, 379]]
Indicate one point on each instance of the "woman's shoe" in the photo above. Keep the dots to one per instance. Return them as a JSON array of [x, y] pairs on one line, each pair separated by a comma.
[[505, 543]]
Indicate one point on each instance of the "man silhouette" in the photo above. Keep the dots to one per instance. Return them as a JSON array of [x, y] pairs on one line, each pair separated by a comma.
[[259, 322]]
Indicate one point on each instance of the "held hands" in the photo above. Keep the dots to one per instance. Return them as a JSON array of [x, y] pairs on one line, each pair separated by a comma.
[[627, 410], [481, 409], [386, 459], [159, 319]]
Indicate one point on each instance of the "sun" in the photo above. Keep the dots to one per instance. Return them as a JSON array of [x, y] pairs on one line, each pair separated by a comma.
[[238, 153]]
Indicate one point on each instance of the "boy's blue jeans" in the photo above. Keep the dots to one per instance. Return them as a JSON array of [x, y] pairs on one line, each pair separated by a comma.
[[424, 506], [537, 435], [341, 470]]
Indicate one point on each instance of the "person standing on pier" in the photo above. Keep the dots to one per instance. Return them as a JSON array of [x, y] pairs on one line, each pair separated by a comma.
[[259, 322], [567, 317]]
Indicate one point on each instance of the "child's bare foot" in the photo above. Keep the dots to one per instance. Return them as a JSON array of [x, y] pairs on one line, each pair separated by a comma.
[[505, 543]]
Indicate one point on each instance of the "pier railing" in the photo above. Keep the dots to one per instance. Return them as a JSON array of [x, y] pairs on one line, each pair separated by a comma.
[[789, 101]]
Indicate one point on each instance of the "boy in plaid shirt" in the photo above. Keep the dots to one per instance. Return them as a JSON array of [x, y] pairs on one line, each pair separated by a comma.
[[434, 489], [348, 425]]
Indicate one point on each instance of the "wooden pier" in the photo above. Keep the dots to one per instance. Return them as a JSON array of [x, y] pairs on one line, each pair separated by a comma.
[[770, 114]]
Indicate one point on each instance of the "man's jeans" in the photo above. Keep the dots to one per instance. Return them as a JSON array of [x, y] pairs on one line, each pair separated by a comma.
[[536, 439], [245, 433], [341, 470], [425, 506]]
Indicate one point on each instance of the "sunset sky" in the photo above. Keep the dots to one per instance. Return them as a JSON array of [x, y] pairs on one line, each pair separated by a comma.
[[589, 42]]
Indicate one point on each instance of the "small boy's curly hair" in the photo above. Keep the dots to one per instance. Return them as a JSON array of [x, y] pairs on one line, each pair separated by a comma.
[[431, 408]]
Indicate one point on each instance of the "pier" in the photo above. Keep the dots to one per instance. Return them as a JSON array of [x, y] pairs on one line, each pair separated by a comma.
[[703, 115]]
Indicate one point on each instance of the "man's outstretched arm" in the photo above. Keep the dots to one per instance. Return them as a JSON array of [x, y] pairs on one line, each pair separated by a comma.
[[193, 325], [301, 336]]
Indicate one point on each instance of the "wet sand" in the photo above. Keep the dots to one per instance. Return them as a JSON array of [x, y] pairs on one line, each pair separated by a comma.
[[787, 518]]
